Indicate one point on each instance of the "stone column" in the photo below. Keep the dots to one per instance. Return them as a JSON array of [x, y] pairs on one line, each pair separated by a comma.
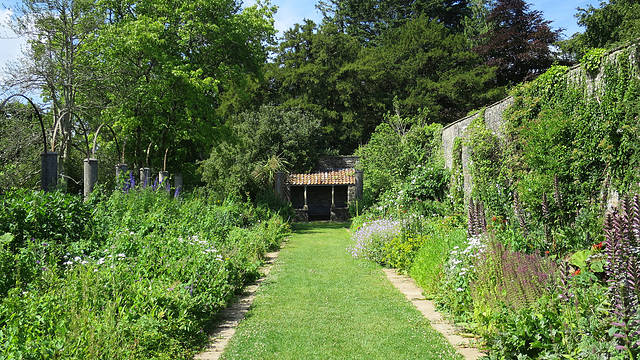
[[177, 183], [49, 171], [279, 182], [145, 177], [163, 180], [90, 175], [359, 185], [121, 169]]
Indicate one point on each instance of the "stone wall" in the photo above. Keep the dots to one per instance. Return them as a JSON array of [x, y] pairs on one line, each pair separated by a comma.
[[577, 76], [493, 121], [337, 162]]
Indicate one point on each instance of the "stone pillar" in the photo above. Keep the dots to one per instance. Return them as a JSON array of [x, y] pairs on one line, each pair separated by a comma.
[[163, 180], [90, 175], [279, 185], [306, 205], [145, 177], [49, 171], [333, 196], [359, 185], [177, 183], [121, 169]]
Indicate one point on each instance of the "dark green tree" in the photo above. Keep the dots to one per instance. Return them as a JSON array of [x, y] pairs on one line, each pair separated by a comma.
[[431, 70], [369, 20], [310, 73], [256, 138]]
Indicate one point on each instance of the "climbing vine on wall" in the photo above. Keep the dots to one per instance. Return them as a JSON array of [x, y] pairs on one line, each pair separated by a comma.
[[564, 138]]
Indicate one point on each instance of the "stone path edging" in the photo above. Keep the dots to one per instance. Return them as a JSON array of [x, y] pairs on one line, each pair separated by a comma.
[[231, 316], [408, 287]]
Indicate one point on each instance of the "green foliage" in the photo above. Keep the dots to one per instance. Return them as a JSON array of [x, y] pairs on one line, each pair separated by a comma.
[[567, 322], [256, 138], [508, 278], [551, 175], [611, 24], [394, 156], [428, 263], [149, 289], [486, 152], [21, 143], [592, 60], [400, 251], [53, 219]]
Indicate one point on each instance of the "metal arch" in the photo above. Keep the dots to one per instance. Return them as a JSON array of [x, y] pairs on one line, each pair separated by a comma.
[[95, 139], [57, 126], [44, 134]]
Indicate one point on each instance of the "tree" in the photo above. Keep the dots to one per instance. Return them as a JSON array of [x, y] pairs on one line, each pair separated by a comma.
[[431, 70], [158, 72], [370, 20], [269, 138], [309, 74], [56, 65], [611, 24], [518, 42], [172, 63], [21, 144]]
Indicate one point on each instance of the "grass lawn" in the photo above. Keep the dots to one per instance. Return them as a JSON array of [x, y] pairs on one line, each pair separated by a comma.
[[320, 303]]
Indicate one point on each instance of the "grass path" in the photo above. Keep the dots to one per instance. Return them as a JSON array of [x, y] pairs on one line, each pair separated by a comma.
[[320, 303]]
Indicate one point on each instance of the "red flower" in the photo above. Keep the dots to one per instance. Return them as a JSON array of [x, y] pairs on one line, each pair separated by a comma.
[[577, 272], [494, 218], [597, 247]]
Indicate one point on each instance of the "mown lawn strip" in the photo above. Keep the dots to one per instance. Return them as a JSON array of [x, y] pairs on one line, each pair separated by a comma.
[[320, 303]]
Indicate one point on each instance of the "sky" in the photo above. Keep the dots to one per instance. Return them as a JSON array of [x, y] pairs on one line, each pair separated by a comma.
[[561, 12]]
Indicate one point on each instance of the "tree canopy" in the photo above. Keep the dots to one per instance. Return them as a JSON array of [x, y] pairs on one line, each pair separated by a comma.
[[612, 23], [518, 42]]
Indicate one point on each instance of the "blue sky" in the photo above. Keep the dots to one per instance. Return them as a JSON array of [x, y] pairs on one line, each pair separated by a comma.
[[561, 12]]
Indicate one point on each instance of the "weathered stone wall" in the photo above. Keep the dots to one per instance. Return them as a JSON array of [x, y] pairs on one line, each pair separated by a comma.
[[493, 121], [493, 118], [337, 162]]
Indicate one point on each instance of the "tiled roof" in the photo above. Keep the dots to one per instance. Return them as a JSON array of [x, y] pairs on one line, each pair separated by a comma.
[[329, 177]]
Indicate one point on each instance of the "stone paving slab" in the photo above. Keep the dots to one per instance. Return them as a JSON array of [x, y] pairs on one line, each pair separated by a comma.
[[408, 287]]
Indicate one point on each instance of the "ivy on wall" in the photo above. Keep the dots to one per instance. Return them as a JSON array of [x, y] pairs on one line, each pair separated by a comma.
[[567, 140]]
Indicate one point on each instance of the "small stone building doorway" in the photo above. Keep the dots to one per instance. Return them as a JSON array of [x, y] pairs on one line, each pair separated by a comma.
[[326, 193]]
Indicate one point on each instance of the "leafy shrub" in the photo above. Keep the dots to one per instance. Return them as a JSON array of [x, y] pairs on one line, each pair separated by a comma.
[[395, 151], [569, 321], [508, 278], [52, 217], [459, 273], [428, 264], [400, 251]]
